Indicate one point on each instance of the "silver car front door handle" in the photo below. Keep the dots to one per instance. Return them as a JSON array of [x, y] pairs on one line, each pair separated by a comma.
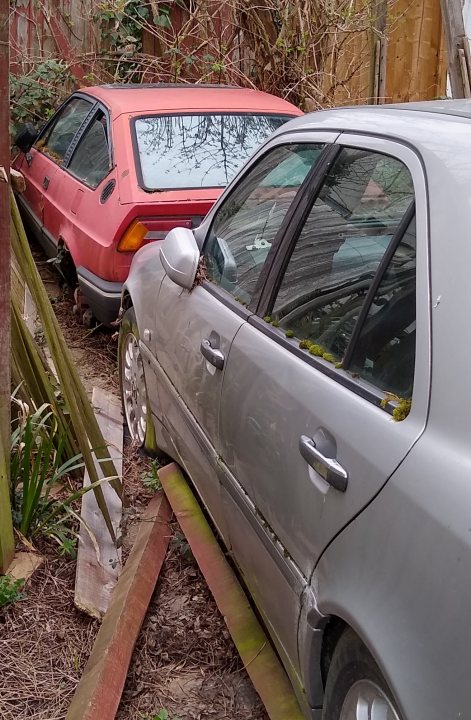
[[328, 468], [212, 355]]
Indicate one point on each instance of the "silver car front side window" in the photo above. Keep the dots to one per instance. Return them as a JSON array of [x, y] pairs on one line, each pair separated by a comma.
[[247, 223]]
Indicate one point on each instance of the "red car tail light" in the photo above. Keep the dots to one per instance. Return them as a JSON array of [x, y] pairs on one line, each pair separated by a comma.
[[146, 230]]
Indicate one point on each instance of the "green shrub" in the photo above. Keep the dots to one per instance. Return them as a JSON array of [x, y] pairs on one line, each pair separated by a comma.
[[150, 479], [35, 97]]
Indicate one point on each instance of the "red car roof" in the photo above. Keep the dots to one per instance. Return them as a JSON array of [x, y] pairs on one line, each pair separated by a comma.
[[183, 98]]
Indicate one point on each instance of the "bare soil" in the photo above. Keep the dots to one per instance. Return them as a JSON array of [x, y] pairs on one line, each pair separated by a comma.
[[184, 661]]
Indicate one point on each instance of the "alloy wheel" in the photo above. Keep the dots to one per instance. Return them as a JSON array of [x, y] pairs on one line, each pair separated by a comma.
[[366, 701], [134, 389]]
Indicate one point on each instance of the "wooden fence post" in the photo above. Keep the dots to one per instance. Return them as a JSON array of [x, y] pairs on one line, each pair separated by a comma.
[[452, 14], [6, 529]]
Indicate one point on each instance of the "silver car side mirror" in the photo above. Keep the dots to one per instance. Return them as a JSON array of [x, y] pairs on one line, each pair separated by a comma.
[[180, 256]]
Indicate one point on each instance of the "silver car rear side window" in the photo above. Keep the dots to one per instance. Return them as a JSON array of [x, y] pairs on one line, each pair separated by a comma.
[[245, 226], [363, 203], [384, 351]]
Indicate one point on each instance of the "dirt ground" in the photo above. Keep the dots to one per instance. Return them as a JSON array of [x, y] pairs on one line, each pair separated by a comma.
[[184, 663]]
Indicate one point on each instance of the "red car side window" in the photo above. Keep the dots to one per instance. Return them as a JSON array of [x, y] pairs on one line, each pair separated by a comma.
[[57, 140]]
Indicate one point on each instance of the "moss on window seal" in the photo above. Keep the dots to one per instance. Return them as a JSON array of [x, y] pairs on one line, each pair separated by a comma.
[[401, 409], [317, 350]]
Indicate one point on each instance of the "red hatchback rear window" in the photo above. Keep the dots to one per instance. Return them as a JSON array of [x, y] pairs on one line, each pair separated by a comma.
[[197, 151]]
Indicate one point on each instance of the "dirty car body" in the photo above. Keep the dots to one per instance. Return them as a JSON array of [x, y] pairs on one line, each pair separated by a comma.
[[306, 377], [118, 166]]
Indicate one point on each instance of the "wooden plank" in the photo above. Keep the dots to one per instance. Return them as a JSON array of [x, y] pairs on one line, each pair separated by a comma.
[[415, 52], [467, 54], [98, 568], [464, 73], [64, 46], [30, 313], [17, 180], [99, 691], [258, 656], [453, 22], [17, 282], [7, 545]]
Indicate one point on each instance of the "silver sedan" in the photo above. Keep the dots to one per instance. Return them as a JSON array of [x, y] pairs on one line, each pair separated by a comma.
[[282, 354]]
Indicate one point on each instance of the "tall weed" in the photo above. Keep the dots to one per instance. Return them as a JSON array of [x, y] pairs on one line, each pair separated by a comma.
[[36, 468]]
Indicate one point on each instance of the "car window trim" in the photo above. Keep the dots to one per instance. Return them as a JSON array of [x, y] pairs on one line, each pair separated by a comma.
[[186, 113], [83, 96], [75, 142], [329, 149], [377, 280]]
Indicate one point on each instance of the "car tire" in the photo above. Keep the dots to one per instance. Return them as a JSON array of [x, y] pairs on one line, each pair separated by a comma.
[[355, 687], [132, 381]]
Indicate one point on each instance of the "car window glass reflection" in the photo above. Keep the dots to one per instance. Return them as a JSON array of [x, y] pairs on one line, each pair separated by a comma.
[[198, 151], [358, 210], [246, 224], [57, 139], [91, 160]]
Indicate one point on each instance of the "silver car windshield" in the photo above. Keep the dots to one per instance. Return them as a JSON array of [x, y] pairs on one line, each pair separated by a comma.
[[197, 151]]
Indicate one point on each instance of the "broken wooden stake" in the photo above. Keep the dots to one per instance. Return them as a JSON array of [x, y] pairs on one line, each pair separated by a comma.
[[258, 656], [17, 180], [98, 558], [98, 693]]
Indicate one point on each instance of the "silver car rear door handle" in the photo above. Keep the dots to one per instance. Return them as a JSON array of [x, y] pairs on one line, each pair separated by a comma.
[[212, 355], [328, 468]]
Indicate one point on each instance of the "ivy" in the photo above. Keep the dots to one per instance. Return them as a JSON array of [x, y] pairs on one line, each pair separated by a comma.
[[34, 97]]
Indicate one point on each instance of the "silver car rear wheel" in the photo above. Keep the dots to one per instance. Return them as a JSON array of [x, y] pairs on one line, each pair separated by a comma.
[[366, 701], [134, 388]]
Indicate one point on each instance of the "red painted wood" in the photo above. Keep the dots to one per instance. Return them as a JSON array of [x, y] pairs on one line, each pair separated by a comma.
[[6, 531]]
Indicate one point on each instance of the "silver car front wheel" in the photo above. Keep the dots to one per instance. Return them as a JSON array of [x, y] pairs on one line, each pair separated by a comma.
[[355, 687], [132, 379], [366, 701]]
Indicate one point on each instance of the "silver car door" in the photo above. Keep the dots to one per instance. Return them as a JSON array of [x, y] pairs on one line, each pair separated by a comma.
[[305, 442], [194, 330]]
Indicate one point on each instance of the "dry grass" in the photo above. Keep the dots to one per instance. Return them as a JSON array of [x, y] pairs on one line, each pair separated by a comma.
[[44, 645]]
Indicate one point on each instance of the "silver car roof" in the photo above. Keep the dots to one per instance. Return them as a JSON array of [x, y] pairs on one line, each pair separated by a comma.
[[418, 123]]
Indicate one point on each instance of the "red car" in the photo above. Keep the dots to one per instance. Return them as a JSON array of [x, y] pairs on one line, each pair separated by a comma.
[[118, 166]]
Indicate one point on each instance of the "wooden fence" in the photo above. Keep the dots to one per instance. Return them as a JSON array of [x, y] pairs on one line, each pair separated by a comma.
[[404, 60]]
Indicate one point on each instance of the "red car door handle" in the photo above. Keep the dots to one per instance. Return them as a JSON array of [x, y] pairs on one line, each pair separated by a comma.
[[328, 468], [46, 182]]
